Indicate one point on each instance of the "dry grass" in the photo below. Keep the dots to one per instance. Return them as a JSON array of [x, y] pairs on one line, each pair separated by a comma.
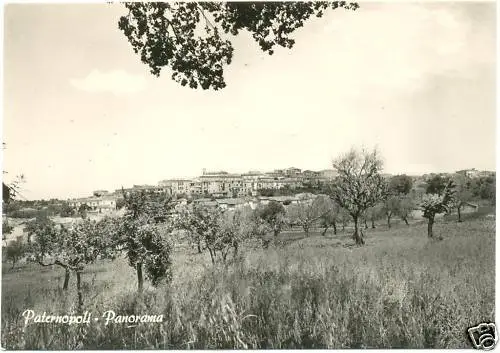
[[400, 290]]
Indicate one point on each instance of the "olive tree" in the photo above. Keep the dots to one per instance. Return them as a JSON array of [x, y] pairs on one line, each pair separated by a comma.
[[396, 200], [144, 234], [391, 207], [374, 213], [359, 184], [214, 229], [236, 227], [186, 220], [202, 224], [45, 245], [406, 207], [70, 247], [344, 217], [433, 204], [82, 244], [400, 184], [463, 192], [273, 215], [206, 222], [307, 211], [15, 250], [331, 214]]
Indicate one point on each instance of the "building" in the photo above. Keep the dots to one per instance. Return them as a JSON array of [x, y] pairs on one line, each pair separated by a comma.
[[474, 173], [175, 186], [99, 204], [292, 172], [222, 184]]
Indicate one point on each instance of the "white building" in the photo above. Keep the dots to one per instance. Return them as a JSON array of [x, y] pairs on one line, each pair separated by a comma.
[[100, 204]]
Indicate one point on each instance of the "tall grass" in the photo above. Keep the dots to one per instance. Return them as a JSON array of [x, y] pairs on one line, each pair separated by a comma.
[[400, 290]]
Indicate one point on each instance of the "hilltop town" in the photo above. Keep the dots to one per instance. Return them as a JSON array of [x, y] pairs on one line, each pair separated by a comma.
[[228, 189], [232, 190]]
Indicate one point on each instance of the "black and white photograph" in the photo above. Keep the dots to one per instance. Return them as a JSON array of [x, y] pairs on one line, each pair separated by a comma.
[[248, 175]]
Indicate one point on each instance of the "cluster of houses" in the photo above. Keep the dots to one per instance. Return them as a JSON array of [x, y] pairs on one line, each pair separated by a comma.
[[253, 202], [233, 190], [222, 184], [107, 203], [225, 189]]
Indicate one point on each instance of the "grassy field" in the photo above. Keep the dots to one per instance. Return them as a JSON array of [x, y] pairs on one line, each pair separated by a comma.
[[399, 290]]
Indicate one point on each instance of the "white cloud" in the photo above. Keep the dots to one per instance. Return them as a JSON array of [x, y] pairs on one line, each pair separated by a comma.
[[118, 82]]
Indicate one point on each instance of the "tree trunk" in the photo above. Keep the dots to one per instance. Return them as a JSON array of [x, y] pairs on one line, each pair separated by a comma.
[[212, 255], [66, 278], [358, 238], [79, 289], [459, 213], [334, 224], [429, 227], [140, 278], [389, 221]]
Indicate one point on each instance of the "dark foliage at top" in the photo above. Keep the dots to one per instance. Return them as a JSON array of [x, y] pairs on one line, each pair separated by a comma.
[[168, 34]]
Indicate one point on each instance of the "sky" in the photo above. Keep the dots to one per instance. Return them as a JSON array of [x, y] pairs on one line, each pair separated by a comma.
[[82, 113]]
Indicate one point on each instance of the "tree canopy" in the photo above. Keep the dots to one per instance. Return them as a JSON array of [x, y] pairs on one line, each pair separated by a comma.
[[434, 203], [167, 34], [400, 184], [143, 232], [359, 185], [436, 184]]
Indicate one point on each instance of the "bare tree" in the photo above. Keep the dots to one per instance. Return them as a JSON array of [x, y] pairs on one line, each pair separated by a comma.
[[359, 184]]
